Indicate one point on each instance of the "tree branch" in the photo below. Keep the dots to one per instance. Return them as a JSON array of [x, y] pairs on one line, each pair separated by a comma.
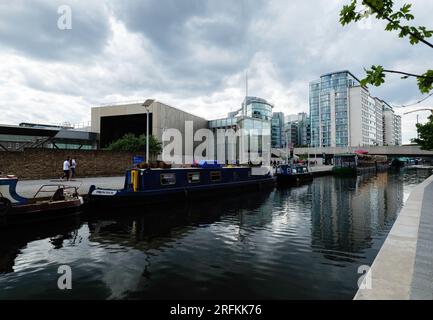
[[407, 74], [376, 10]]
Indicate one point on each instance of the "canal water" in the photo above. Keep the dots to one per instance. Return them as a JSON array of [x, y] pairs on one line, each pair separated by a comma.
[[296, 243]]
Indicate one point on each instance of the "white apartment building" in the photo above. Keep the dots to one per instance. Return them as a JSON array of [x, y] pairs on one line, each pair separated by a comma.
[[343, 113], [392, 127]]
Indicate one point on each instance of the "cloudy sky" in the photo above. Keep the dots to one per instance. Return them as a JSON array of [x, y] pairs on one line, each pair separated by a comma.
[[191, 54]]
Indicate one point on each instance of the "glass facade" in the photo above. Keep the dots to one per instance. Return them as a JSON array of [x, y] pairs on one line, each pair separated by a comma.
[[253, 119], [329, 100], [258, 108], [277, 130], [297, 127]]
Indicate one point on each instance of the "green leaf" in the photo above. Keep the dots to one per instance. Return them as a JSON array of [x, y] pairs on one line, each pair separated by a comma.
[[349, 14], [425, 83], [375, 76]]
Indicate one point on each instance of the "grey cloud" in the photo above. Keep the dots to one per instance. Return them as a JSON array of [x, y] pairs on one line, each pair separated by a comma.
[[182, 30], [197, 50], [30, 28]]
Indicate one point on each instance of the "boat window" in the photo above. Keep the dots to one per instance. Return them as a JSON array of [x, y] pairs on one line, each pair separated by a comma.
[[235, 176], [215, 176], [168, 179], [194, 177]]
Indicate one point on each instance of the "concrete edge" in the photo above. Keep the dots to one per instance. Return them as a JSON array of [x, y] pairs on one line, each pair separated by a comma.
[[393, 268]]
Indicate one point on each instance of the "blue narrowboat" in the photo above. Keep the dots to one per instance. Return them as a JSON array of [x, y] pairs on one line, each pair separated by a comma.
[[293, 174], [162, 185]]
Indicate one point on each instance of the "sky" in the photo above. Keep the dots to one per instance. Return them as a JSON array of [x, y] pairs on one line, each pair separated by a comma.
[[193, 55]]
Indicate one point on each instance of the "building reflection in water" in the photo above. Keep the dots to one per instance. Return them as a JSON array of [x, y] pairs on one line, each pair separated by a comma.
[[347, 213], [302, 242]]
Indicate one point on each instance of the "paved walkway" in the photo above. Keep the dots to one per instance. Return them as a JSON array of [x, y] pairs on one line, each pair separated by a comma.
[[321, 168], [28, 188], [403, 269]]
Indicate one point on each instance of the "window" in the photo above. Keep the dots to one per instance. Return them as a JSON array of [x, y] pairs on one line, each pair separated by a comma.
[[194, 177], [168, 179], [215, 176], [235, 176]]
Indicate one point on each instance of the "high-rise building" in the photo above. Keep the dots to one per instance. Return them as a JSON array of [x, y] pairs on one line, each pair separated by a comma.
[[343, 113], [298, 128], [278, 130], [291, 129], [391, 127]]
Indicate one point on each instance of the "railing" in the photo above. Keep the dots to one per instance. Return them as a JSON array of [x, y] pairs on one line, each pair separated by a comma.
[[58, 187]]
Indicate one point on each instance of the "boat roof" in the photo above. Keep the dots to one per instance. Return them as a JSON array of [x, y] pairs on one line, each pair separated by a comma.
[[189, 169]]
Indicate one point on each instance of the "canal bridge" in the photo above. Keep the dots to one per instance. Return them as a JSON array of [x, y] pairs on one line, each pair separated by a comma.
[[411, 151]]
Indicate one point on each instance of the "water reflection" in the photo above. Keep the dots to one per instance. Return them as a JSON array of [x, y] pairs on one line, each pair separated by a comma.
[[13, 241], [294, 243], [348, 213]]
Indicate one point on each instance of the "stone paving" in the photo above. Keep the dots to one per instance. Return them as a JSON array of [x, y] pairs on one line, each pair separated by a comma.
[[28, 188], [422, 281]]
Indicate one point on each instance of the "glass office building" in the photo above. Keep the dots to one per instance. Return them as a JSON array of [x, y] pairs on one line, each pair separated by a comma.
[[297, 127], [278, 130], [329, 104], [253, 121]]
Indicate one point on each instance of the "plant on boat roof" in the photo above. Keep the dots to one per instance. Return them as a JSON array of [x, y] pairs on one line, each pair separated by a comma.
[[132, 143]]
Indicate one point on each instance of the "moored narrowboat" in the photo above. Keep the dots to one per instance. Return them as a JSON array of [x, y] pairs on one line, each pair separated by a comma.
[[162, 185], [358, 164], [49, 202], [293, 174]]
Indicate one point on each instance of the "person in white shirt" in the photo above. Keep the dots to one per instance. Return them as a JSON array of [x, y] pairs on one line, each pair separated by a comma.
[[73, 166], [66, 168]]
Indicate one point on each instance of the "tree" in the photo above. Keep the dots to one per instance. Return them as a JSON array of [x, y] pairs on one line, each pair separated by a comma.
[[425, 132], [397, 20], [132, 143]]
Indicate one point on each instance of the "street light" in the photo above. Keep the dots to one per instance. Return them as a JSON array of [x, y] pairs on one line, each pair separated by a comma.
[[417, 116], [146, 105], [431, 110]]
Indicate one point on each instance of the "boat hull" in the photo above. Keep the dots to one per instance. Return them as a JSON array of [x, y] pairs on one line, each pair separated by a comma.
[[19, 214], [120, 198]]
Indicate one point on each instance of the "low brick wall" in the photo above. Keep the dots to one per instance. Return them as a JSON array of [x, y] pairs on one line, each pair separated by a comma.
[[48, 163]]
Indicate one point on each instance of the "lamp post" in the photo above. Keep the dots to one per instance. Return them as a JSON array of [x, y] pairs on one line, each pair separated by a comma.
[[145, 105], [417, 116]]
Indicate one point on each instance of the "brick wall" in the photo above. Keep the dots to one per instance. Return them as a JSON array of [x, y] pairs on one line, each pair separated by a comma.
[[48, 163]]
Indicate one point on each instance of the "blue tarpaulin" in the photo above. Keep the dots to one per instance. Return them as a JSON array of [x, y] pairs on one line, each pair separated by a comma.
[[209, 164]]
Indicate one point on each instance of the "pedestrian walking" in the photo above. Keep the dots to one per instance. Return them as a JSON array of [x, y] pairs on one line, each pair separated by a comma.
[[66, 169], [73, 166]]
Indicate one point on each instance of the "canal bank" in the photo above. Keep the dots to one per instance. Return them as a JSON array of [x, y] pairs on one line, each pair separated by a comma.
[[403, 269]]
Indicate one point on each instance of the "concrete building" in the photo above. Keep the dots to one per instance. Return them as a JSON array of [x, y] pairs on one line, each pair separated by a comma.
[[114, 121], [343, 113]]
